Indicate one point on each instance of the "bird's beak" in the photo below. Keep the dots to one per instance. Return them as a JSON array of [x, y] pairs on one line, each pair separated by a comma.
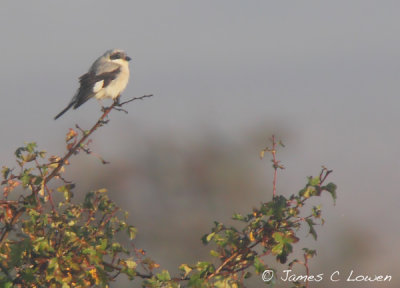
[[127, 58]]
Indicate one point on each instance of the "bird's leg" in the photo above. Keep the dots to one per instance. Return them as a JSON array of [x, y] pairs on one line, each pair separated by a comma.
[[117, 105], [103, 109], [101, 104], [117, 101]]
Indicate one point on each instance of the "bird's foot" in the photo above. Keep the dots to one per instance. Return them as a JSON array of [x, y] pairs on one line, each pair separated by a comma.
[[117, 102]]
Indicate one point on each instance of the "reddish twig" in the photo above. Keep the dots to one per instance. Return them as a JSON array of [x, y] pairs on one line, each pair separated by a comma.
[[223, 265], [275, 162], [85, 136], [307, 268]]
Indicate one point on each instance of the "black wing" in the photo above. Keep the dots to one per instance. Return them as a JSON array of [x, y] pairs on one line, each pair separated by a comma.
[[87, 82]]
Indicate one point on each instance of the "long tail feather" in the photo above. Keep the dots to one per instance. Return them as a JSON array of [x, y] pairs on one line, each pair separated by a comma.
[[65, 110]]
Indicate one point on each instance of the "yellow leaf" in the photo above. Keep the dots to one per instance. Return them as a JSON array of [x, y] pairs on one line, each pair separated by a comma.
[[54, 159], [71, 134], [251, 236]]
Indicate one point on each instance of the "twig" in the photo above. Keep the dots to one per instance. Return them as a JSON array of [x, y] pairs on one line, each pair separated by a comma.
[[223, 264], [108, 218], [133, 99], [275, 162], [324, 174], [307, 268], [87, 150], [144, 276], [275, 165], [8, 202], [9, 226], [139, 257], [77, 146]]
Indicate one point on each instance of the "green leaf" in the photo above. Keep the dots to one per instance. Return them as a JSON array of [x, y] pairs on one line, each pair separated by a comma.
[[132, 232], [28, 275], [116, 247], [316, 211], [312, 231], [38, 180], [30, 147], [103, 244], [196, 282], [215, 253], [26, 178], [53, 263], [259, 266], [19, 151], [17, 251], [90, 251], [66, 190], [130, 264], [283, 247], [5, 171], [278, 206], [314, 181], [164, 276], [309, 191], [208, 237], [239, 217], [88, 202], [29, 157], [42, 246], [278, 237], [331, 188], [226, 282], [186, 269], [205, 268]]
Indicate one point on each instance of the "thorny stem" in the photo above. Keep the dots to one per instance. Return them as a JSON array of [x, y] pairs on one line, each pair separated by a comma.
[[307, 268], [324, 174], [77, 146], [223, 264], [8, 227], [275, 165], [275, 162], [144, 276]]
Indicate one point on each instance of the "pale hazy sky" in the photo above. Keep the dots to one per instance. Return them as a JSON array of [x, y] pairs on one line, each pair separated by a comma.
[[328, 71]]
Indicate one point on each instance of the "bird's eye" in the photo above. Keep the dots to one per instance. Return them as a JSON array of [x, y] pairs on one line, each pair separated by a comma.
[[115, 56]]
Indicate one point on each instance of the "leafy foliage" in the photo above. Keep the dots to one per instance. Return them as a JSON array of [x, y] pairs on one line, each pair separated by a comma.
[[48, 243], [273, 227], [67, 245]]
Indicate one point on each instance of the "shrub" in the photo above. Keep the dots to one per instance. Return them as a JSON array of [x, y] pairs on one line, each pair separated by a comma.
[[49, 243]]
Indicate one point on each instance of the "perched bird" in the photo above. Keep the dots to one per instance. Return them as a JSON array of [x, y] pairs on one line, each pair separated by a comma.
[[106, 78]]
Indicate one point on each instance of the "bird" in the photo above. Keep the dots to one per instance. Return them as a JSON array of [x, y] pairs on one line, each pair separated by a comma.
[[107, 78]]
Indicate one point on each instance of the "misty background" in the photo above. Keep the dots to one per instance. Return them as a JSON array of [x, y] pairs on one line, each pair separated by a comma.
[[226, 75]]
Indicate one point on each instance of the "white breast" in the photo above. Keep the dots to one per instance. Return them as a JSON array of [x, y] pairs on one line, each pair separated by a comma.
[[116, 86]]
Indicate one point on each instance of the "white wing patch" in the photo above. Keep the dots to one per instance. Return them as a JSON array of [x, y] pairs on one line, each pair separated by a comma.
[[98, 86]]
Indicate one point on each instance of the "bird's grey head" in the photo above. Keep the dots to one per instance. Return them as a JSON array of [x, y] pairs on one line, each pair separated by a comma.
[[116, 56]]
